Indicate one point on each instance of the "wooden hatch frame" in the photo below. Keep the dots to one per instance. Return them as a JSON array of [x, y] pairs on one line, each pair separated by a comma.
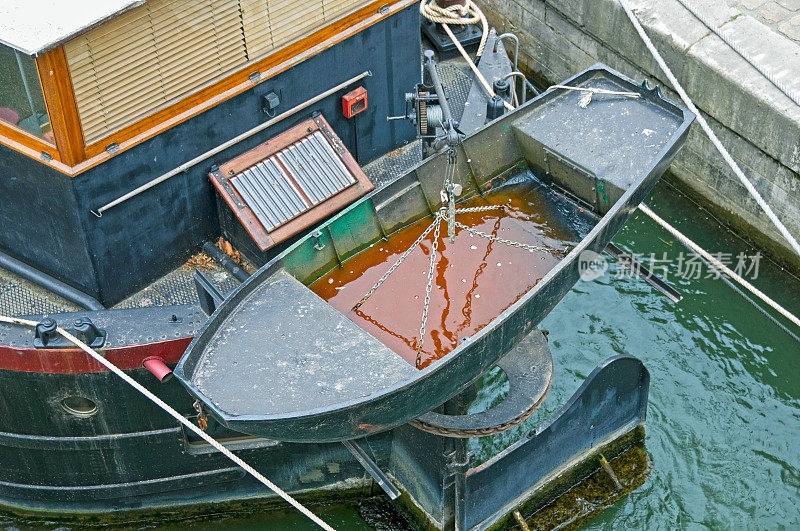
[[221, 178]]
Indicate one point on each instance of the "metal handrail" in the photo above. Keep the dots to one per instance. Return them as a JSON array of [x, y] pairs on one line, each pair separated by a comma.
[[222, 147], [527, 85], [516, 46]]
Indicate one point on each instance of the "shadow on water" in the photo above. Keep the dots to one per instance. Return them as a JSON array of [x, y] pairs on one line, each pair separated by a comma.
[[724, 416]]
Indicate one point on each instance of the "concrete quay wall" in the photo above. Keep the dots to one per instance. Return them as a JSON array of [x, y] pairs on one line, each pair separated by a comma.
[[758, 124]]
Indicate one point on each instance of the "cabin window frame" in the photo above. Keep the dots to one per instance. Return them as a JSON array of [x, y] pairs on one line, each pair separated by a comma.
[[18, 137], [72, 155]]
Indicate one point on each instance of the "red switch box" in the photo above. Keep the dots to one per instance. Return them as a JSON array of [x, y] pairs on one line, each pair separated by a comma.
[[354, 102]]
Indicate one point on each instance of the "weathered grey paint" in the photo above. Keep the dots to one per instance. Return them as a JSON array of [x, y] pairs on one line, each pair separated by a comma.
[[759, 125], [604, 180]]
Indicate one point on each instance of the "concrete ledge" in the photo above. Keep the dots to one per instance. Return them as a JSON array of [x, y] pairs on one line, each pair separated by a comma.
[[757, 123]]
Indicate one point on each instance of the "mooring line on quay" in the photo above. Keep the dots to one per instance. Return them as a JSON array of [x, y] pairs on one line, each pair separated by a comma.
[[719, 265], [711, 135], [180, 418]]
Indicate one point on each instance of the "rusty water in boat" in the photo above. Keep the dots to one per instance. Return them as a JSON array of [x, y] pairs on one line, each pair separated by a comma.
[[475, 278]]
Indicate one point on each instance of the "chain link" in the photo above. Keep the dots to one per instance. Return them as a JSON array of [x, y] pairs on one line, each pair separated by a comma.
[[428, 287], [480, 209], [446, 213], [400, 260], [531, 248], [466, 433]]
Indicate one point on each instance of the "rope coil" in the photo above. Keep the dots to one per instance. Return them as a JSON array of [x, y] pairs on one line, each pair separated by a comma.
[[453, 15], [464, 15]]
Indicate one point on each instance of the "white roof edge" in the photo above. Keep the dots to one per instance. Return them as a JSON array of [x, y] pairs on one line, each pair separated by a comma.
[[36, 26]]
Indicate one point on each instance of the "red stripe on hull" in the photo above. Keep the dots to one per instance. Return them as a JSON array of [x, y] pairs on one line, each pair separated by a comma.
[[73, 361]]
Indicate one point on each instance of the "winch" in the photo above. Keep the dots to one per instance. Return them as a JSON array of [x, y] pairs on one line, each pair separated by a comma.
[[427, 108]]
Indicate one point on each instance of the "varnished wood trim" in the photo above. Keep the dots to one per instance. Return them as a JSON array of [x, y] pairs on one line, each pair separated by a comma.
[[31, 146], [33, 143], [234, 84], [61, 107]]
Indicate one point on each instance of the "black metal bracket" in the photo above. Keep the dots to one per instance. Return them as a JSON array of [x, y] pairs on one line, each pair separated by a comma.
[[47, 336], [210, 297], [372, 468], [468, 36], [643, 273], [529, 369], [656, 91]]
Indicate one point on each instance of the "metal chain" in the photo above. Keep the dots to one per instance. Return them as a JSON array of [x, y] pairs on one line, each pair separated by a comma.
[[531, 248], [480, 209], [431, 268], [448, 189], [397, 264], [447, 212], [449, 174]]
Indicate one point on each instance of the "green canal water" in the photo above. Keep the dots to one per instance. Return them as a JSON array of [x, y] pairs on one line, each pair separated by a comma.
[[723, 421], [723, 424]]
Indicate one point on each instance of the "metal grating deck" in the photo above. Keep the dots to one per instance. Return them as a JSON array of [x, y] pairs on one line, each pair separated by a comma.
[[177, 287], [19, 297]]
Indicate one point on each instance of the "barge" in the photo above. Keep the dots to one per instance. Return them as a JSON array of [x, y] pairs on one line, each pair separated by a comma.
[[117, 172]]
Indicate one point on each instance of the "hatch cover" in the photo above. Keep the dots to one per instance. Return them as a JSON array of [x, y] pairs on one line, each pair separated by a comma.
[[291, 182]]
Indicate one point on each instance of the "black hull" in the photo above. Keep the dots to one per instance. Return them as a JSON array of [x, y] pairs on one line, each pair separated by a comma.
[[158, 473], [138, 459]]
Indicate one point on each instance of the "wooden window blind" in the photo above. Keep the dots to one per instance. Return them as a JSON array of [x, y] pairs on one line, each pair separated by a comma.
[[163, 50]]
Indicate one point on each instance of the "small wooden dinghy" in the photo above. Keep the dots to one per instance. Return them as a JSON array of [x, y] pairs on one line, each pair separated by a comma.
[[279, 361]]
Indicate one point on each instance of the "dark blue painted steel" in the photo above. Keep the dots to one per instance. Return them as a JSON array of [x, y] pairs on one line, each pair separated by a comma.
[[40, 222], [46, 216]]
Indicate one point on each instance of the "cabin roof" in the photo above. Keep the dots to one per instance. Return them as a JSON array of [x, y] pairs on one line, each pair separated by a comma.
[[35, 26]]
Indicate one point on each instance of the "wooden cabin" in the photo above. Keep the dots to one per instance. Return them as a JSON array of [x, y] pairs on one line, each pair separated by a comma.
[[100, 97]]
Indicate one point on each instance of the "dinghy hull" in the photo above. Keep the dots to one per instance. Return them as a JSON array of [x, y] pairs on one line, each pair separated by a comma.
[[606, 157]]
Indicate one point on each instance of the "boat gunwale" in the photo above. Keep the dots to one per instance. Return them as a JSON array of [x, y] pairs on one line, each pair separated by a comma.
[[667, 152]]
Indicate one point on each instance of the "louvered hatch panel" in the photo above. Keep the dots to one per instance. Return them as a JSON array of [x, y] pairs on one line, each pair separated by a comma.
[[291, 182]]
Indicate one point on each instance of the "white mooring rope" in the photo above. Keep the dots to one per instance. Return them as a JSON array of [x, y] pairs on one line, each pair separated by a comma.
[[725, 155], [467, 14], [177, 416], [719, 265]]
